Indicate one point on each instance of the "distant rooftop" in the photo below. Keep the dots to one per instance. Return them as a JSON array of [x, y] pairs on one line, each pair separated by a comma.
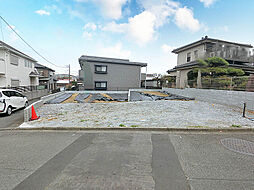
[[37, 65], [15, 51], [110, 60], [206, 39]]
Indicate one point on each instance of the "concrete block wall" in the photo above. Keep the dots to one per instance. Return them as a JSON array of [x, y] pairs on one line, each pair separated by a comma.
[[224, 97], [36, 94], [28, 110]]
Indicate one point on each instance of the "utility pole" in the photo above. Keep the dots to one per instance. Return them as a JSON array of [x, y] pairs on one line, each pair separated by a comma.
[[69, 74]]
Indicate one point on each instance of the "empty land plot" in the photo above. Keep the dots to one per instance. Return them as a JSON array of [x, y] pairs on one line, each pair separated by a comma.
[[170, 114]]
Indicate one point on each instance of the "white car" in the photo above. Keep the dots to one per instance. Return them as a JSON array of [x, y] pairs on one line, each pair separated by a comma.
[[11, 100]]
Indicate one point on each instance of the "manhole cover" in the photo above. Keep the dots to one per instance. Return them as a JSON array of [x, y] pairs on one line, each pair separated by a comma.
[[239, 145]]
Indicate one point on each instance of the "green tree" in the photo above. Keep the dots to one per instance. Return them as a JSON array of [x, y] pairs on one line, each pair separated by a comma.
[[216, 62], [235, 72]]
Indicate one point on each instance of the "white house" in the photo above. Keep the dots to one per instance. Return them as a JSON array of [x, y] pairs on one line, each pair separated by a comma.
[[16, 68]]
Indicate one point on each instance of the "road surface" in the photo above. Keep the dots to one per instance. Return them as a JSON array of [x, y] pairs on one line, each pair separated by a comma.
[[121, 160], [14, 120]]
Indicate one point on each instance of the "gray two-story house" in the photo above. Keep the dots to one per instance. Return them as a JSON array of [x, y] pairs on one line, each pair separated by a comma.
[[101, 73], [238, 55]]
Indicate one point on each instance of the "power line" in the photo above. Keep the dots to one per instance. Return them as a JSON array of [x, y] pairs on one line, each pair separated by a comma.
[[29, 44], [2, 30]]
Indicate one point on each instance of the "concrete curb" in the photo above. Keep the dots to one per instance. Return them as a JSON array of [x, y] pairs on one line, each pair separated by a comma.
[[37, 104], [8, 129], [141, 129]]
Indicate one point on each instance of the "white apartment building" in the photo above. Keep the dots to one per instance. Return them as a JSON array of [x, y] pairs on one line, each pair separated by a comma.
[[16, 68]]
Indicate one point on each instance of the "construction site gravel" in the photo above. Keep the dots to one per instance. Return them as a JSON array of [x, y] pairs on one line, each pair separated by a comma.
[[155, 114]]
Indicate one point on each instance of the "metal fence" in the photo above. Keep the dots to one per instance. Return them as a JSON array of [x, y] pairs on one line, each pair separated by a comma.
[[245, 83], [26, 88]]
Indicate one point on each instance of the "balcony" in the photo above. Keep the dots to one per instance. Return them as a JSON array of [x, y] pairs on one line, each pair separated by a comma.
[[232, 53]]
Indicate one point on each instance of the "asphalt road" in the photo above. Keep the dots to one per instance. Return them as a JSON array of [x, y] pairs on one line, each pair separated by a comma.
[[121, 160], [14, 120]]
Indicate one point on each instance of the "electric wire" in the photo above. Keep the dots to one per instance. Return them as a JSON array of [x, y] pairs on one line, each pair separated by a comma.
[[29, 44]]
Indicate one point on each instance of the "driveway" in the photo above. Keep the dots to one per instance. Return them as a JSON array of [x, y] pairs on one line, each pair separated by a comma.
[[15, 119]]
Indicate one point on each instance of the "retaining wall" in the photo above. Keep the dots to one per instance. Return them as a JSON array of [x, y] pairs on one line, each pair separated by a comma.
[[35, 94], [224, 97], [28, 110]]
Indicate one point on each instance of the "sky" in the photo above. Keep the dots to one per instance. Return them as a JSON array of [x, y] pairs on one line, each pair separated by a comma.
[[140, 30]]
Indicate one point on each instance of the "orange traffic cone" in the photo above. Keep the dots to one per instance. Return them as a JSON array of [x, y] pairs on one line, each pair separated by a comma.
[[34, 115]]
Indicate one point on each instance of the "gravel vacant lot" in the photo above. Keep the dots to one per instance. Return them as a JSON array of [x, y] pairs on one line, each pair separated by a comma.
[[171, 114]]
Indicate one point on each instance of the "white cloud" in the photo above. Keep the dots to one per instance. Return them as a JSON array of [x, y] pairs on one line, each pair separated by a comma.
[[110, 8], [207, 3], [166, 48], [90, 26], [75, 13], [54, 8], [162, 9], [42, 12], [113, 27], [87, 35], [142, 28], [115, 51], [184, 19], [89, 29]]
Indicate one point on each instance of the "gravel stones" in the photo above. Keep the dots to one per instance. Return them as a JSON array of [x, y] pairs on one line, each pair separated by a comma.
[[175, 114]]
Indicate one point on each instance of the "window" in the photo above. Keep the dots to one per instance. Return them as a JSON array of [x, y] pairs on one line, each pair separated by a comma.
[[14, 60], [28, 64], [18, 94], [101, 69], [12, 93], [196, 54], [188, 57], [7, 93], [100, 85]]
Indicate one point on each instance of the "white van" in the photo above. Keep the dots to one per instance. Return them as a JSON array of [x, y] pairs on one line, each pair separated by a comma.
[[11, 100]]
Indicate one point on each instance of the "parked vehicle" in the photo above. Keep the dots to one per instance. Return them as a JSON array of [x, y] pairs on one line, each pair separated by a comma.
[[11, 100]]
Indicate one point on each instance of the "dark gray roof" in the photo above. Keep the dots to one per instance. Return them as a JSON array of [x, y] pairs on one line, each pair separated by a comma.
[[15, 51], [244, 66], [33, 73], [110, 60], [39, 66], [205, 40]]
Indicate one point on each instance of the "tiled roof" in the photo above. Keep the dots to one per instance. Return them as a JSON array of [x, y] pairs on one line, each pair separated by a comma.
[[205, 40]]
